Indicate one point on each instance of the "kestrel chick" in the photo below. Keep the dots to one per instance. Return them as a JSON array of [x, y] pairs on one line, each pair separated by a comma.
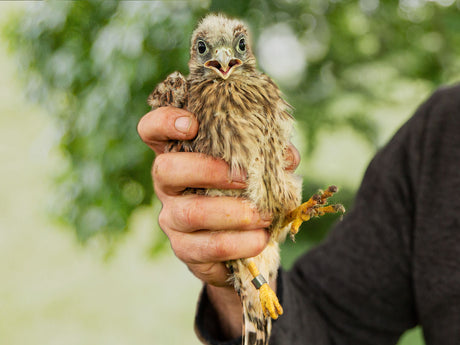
[[243, 120]]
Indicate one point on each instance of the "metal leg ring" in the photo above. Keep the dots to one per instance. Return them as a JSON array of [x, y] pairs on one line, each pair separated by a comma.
[[259, 281]]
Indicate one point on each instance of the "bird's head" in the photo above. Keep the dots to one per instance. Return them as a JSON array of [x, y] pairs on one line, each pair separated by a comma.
[[220, 48]]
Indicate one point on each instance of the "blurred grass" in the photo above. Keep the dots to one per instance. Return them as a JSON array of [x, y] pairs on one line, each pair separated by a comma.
[[412, 337]]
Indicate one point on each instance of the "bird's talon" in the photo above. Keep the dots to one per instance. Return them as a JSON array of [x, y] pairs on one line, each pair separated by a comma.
[[314, 207], [269, 301], [339, 208]]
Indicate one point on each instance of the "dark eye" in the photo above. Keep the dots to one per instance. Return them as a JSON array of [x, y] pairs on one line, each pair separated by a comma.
[[201, 47], [242, 45]]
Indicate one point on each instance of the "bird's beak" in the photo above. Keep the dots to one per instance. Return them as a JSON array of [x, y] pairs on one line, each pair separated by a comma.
[[224, 62]]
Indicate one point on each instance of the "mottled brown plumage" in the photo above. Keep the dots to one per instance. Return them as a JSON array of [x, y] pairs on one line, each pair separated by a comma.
[[243, 120]]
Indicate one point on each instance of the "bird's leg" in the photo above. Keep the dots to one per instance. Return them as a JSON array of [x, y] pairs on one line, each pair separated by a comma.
[[316, 206], [268, 299]]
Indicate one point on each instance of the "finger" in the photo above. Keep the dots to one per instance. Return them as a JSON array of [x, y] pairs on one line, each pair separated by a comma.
[[292, 157], [217, 246], [214, 273], [161, 125], [195, 212], [175, 171]]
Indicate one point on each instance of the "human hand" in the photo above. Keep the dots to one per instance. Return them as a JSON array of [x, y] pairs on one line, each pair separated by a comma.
[[204, 232]]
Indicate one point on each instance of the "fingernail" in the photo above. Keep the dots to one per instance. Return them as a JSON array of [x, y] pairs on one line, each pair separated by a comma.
[[238, 175], [183, 124], [290, 157], [266, 216]]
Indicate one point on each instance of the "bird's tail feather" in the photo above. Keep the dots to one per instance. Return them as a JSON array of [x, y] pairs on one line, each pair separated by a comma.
[[256, 327]]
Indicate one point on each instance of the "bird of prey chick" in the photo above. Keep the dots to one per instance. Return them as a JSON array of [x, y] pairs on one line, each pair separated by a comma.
[[243, 120]]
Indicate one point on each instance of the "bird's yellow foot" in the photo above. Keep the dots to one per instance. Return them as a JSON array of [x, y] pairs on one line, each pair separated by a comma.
[[316, 206], [269, 301]]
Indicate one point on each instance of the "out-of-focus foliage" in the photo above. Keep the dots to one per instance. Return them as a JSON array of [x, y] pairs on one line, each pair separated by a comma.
[[92, 64]]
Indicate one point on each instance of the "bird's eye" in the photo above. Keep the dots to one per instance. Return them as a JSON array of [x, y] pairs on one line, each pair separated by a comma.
[[202, 47], [242, 45]]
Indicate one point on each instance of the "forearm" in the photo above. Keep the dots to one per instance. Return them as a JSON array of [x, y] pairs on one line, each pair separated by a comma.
[[227, 304], [219, 318]]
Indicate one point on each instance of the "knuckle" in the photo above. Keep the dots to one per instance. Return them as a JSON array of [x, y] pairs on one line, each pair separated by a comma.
[[147, 128], [160, 167], [209, 272], [163, 220], [186, 214], [213, 273], [175, 215], [260, 241], [141, 128], [221, 246], [176, 239], [179, 248], [152, 125]]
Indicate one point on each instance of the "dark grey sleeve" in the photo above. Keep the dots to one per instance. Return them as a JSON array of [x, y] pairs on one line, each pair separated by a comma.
[[390, 264], [394, 261], [359, 280]]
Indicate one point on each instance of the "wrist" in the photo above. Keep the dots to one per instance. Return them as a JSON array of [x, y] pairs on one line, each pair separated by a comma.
[[227, 305]]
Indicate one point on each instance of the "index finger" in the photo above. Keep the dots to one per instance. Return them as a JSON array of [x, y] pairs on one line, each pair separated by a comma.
[[159, 126]]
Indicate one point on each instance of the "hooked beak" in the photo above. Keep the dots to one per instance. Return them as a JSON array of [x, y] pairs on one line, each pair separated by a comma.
[[224, 63]]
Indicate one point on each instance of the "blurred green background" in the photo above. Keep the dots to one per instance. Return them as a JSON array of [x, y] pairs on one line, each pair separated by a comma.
[[81, 255]]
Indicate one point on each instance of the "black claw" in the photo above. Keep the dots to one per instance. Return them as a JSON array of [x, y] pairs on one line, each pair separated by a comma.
[[333, 189], [316, 197], [339, 208]]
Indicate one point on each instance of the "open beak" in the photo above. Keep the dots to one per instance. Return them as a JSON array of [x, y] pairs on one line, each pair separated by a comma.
[[224, 63]]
